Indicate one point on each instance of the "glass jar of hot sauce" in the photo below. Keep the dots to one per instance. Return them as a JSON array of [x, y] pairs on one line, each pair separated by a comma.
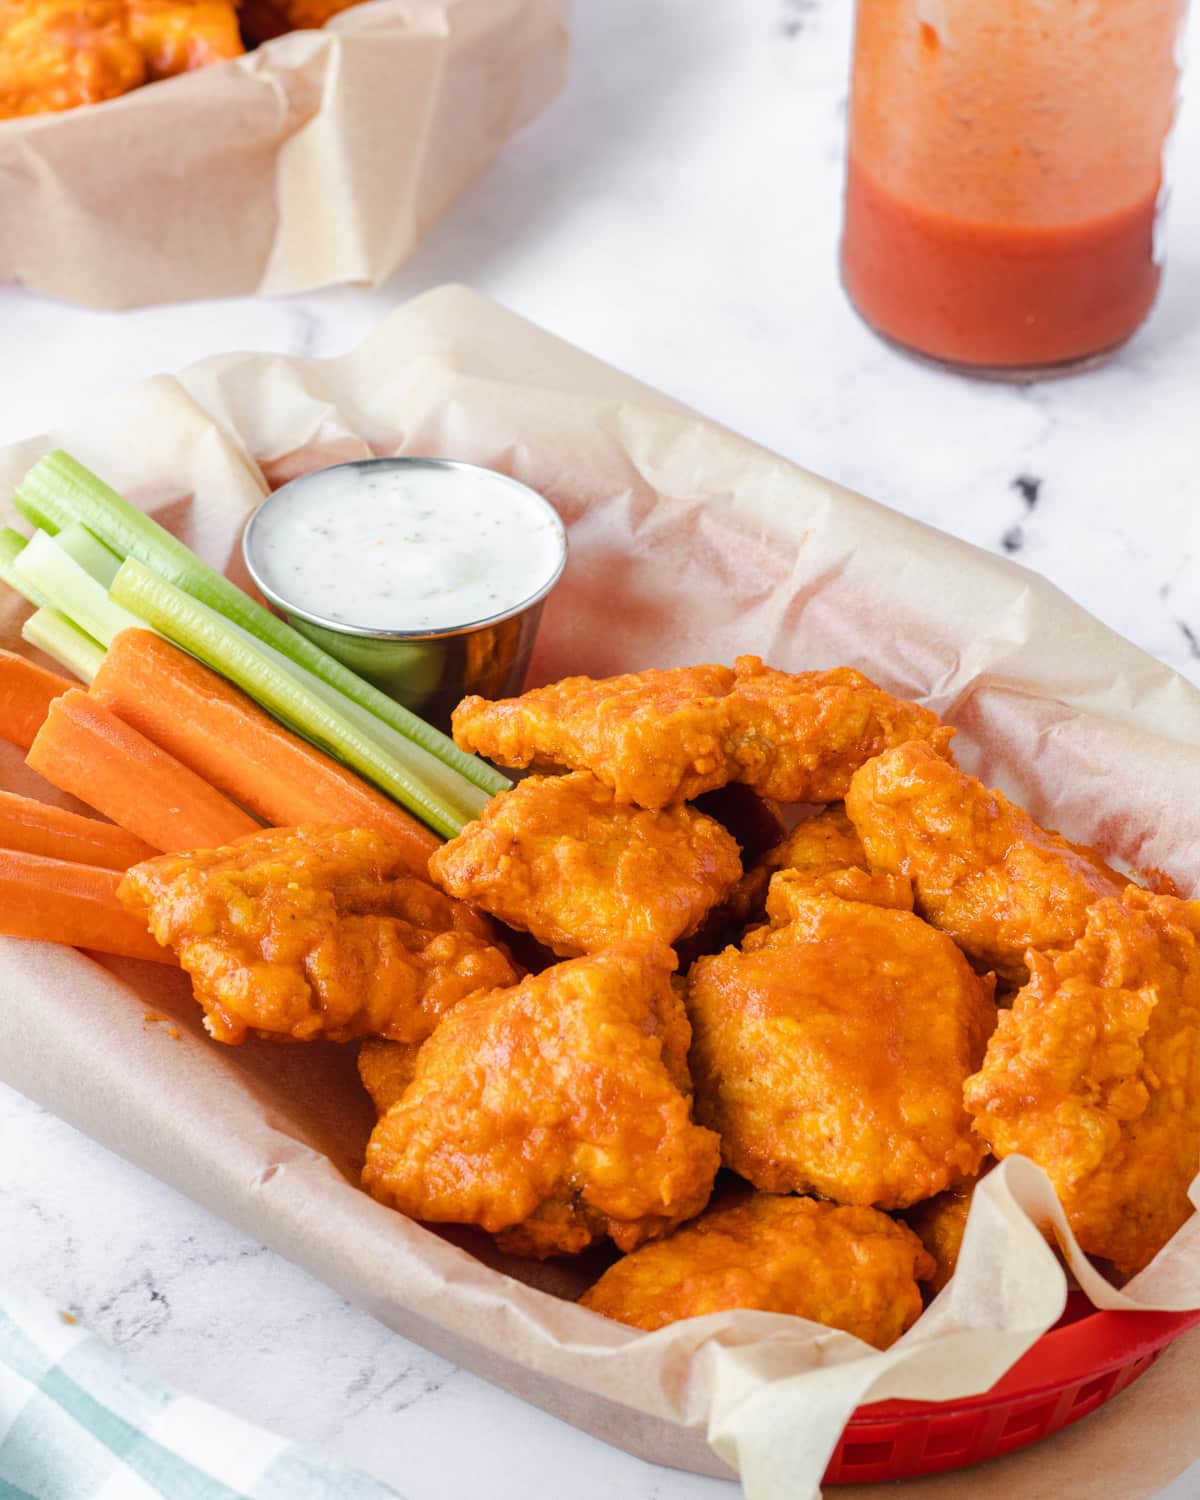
[[1004, 175]]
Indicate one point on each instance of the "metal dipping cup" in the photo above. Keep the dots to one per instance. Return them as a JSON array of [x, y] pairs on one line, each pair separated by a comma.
[[428, 671]]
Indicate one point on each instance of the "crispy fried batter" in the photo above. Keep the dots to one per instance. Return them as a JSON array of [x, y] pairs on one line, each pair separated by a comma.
[[552, 1113], [820, 845], [821, 854], [660, 737], [386, 1069], [830, 1054], [655, 737], [982, 868], [560, 858], [790, 891], [1095, 1074], [315, 932], [849, 1268], [56, 54], [177, 36], [799, 737], [940, 1224]]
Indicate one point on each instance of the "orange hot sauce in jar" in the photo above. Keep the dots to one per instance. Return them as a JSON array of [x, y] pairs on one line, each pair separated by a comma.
[[1004, 175]]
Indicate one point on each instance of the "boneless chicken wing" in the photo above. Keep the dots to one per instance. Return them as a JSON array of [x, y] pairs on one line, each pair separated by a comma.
[[654, 737], [56, 54], [849, 1268], [660, 737], [830, 1053], [559, 857], [315, 932], [799, 737], [553, 1113], [177, 36], [940, 1224], [818, 847], [1095, 1074], [983, 870], [386, 1069]]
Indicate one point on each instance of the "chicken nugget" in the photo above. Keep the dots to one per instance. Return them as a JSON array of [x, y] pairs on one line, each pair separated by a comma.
[[659, 737], [57, 54], [849, 1268], [303, 933], [553, 1113], [982, 869], [1095, 1074], [560, 858], [830, 1054], [178, 36]]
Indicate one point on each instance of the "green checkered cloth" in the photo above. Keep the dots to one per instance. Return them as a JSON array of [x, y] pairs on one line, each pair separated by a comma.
[[78, 1423]]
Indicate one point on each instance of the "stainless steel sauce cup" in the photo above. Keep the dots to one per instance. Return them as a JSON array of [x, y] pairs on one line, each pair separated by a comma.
[[428, 671]]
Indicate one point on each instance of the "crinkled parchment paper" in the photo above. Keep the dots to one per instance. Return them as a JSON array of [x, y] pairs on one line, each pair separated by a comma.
[[711, 546], [320, 157]]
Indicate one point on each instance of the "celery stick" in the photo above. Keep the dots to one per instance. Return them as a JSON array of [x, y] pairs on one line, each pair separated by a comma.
[[34, 514], [89, 552], [54, 634], [12, 544], [208, 636], [43, 569], [439, 778], [63, 489]]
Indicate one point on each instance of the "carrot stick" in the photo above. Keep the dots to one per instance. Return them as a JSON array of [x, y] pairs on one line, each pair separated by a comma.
[[26, 693], [85, 750], [60, 902], [37, 828], [218, 732]]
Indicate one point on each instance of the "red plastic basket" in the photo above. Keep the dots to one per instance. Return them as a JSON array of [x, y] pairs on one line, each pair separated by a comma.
[[1086, 1359]]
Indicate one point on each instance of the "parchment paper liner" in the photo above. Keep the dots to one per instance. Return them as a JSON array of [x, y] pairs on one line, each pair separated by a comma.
[[321, 157], [712, 546]]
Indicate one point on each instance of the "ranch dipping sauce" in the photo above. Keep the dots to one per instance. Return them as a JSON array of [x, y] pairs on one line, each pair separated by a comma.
[[404, 549], [425, 576]]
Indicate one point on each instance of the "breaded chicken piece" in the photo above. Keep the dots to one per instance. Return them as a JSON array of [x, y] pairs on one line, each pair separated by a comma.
[[983, 870], [177, 36], [1095, 1074], [830, 1054], [554, 1112], [790, 892], [56, 54], [560, 858], [387, 1069], [819, 846], [940, 1223], [821, 854], [660, 737], [654, 737], [849, 1268], [315, 932], [799, 737]]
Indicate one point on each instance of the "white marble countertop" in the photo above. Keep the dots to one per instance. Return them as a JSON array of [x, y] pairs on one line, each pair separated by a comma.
[[677, 214]]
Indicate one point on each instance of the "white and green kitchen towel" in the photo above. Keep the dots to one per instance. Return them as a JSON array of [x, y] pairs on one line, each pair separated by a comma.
[[77, 1422]]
